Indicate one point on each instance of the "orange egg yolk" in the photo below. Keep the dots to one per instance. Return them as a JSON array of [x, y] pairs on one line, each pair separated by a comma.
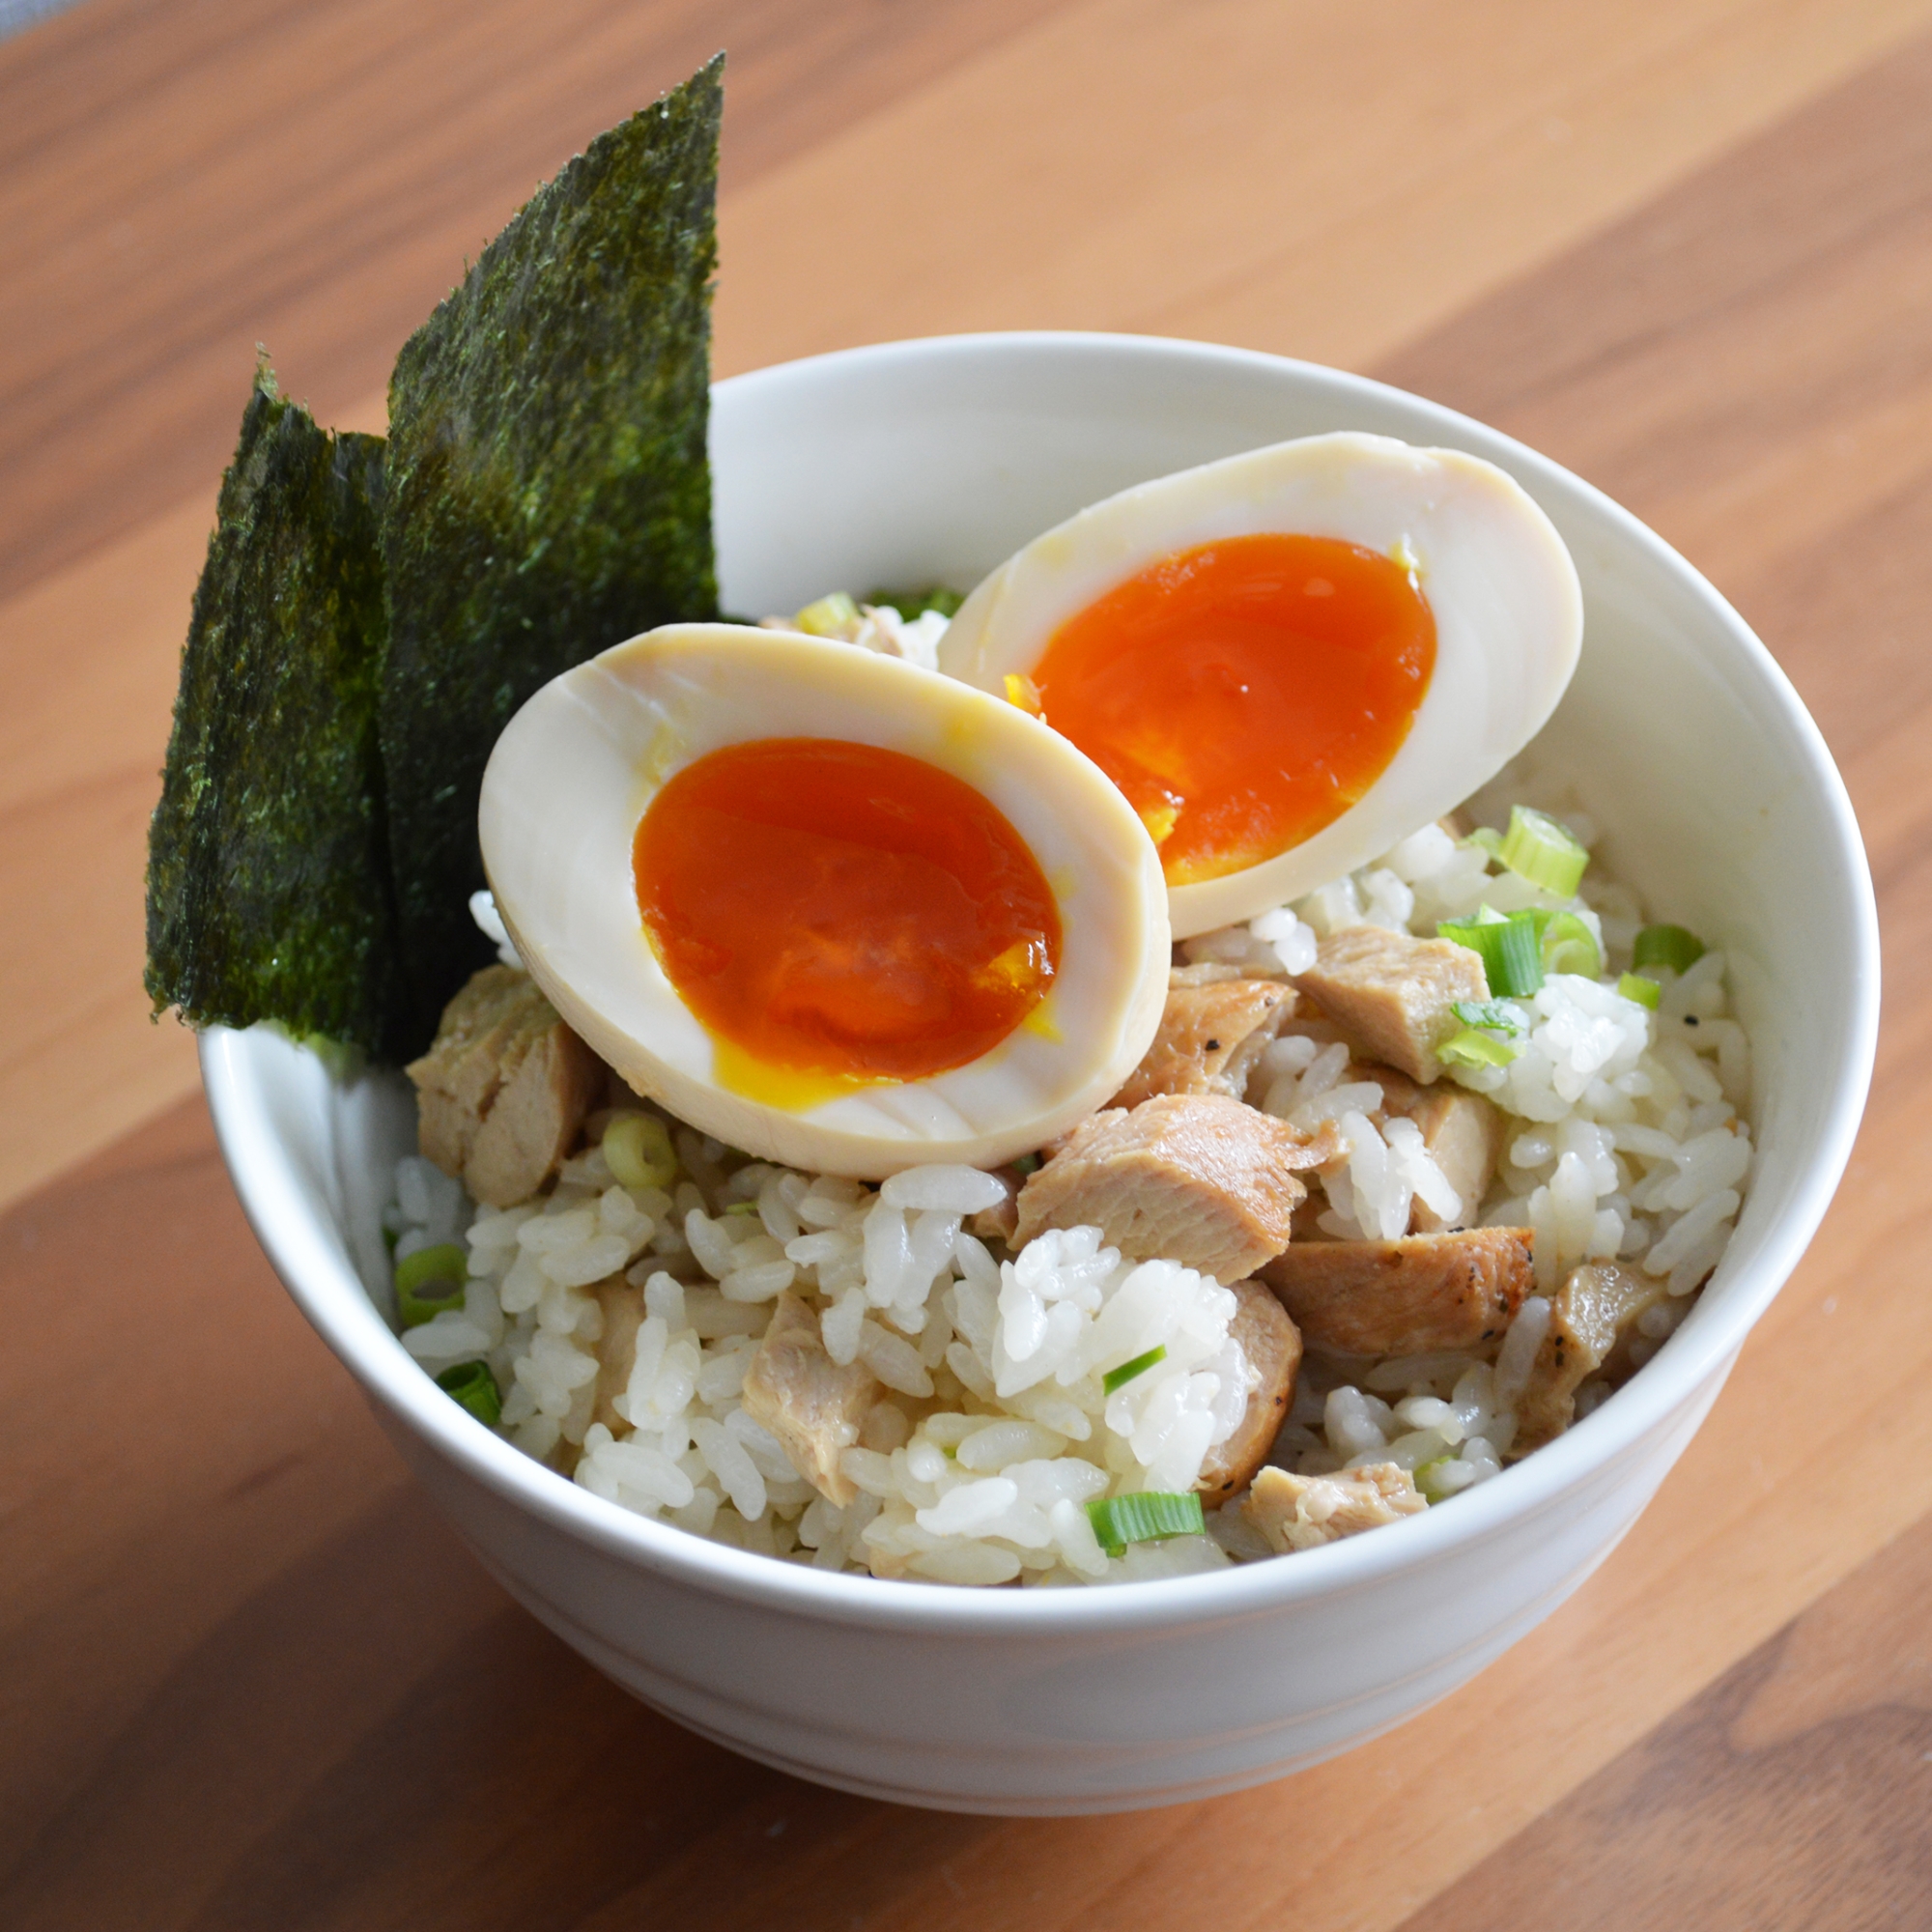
[[836, 915], [1244, 694]]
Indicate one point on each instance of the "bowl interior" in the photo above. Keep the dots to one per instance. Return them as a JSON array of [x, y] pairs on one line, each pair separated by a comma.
[[930, 462], [1679, 734]]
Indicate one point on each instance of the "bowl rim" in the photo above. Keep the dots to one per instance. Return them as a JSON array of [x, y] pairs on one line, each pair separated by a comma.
[[331, 1296]]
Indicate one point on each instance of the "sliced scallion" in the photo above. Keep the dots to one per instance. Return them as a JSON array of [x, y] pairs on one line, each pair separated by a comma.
[[1568, 944], [742, 1208], [429, 1281], [638, 1149], [1512, 957], [833, 616], [1425, 1479], [1472, 1047], [1487, 839], [1148, 1515], [1634, 986], [911, 604], [1667, 946], [473, 1385], [1120, 1377], [1543, 851], [1027, 1163], [1489, 1013]]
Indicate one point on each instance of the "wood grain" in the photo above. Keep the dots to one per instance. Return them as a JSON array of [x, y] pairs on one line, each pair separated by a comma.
[[180, 182], [249, 1681], [1281, 174], [1791, 1796]]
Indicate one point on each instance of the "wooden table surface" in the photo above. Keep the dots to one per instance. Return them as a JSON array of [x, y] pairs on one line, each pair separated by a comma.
[[246, 1678]]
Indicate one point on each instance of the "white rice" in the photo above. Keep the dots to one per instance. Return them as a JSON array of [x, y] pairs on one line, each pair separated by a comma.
[[993, 1428]]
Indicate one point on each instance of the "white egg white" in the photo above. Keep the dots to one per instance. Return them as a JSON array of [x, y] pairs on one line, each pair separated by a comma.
[[1507, 603], [574, 772]]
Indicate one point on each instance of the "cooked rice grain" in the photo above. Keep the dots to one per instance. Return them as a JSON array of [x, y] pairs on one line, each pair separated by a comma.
[[992, 1429]]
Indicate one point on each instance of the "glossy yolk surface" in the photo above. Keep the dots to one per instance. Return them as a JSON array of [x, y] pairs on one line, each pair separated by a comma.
[[836, 915], [1244, 694]]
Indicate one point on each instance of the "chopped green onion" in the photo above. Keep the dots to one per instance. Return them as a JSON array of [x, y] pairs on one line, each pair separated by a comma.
[[911, 604], [834, 616], [1568, 944], [1028, 1163], [473, 1385], [1487, 839], [446, 1265], [1425, 1479], [638, 1148], [1543, 851], [1491, 1014], [1120, 1377], [1512, 959], [1473, 1048], [1667, 946], [1148, 1515], [742, 1208], [1634, 986]]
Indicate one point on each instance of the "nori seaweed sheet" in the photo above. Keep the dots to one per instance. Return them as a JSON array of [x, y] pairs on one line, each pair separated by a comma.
[[268, 889], [548, 488]]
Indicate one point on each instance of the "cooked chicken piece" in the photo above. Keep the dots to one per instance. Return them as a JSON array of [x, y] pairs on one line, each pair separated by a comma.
[[623, 1309], [1306, 1224], [1401, 1095], [1406, 1297], [1205, 972], [1272, 1346], [1593, 1312], [998, 1222], [1393, 995], [1210, 1036], [1300, 1511], [806, 1400], [1197, 1178], [1462, 1131], [1264, 965], [504, 1089], [1465, 1133]]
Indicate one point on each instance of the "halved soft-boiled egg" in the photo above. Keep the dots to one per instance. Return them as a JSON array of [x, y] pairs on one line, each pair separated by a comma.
[[833, 909], [1288, 659]]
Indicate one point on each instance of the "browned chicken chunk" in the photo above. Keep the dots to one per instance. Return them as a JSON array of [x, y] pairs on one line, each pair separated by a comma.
[[1406, 1297], [1461, 1130], [1393, 995], [504, 1089], [1593, 1312], [1299, 1512], [812, 1403], [1272, 1346], [1211, 1033], [1464, 1132], [1195, 1177], [623, 1309], [998, 1222]]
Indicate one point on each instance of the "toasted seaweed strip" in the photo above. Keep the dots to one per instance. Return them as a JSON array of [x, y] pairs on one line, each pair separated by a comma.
[[268, 889], [549, 494]]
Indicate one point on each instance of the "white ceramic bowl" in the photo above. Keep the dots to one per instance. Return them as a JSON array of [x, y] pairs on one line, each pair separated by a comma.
[[924, 461]]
